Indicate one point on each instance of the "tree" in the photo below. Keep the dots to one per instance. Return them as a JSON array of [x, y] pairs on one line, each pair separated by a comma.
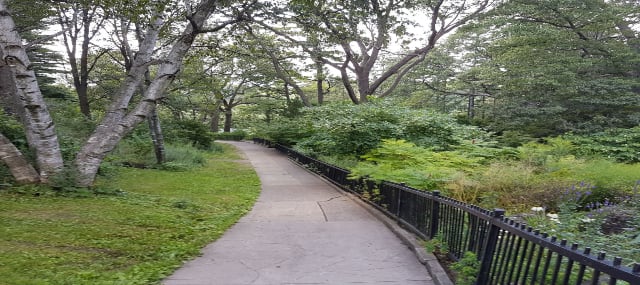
[[558, 66], [32, 109], [363, 30], [80, 22], [281, 61], [123, 114]]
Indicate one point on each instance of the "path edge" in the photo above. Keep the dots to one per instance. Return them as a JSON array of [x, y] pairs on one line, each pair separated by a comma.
[[438, 274]]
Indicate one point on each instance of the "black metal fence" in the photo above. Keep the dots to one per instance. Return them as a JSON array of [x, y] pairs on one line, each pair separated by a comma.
[[509, 252]]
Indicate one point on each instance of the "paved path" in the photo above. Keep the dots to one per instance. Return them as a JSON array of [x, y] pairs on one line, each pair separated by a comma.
[[302, 231]]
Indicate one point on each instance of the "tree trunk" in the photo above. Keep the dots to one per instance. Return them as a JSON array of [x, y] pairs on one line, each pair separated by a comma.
[[7, 89], [20, 168], [79, 28], [319, 80], [228, 117], [471, 106], [117, 123], [215, 119], [83, 98], [286, 92], [156, 136], [34, 114]]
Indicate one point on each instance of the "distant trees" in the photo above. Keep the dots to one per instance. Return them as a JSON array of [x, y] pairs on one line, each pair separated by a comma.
[[544, 67], [359, 35]]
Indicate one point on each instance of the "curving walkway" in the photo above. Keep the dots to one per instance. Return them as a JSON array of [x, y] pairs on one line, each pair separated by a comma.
[[301, 231]]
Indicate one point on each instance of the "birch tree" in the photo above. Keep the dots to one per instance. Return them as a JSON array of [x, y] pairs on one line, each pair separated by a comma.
[[30, 106], [123, 114]]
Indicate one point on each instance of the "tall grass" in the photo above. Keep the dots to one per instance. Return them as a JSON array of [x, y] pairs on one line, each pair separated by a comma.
[[519, 185], [139, 152]]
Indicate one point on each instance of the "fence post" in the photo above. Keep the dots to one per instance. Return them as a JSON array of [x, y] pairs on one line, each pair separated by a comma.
[[489, 247], [435, 214], [399, 199]]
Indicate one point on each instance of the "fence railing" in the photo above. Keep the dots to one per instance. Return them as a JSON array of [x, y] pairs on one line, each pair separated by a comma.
[[509, 252]]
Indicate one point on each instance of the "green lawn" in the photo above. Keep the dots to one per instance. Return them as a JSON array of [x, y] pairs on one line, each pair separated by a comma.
[[162, 219]]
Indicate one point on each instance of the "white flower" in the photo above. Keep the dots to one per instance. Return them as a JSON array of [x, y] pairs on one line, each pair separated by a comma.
[[552, 216], [537, 209], [587, 220]]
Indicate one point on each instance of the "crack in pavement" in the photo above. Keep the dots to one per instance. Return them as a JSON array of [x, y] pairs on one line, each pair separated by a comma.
[[254, 270], [326, 219]]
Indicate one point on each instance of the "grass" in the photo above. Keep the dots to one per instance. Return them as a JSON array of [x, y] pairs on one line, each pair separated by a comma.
[[162, 219]]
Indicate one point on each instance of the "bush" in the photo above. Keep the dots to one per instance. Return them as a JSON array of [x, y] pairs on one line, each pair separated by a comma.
[[347, 129], [72, 127], [467, 269], [237, 135], [184, 155], [540, 178], [287, 131], [13, 130], [188, 131], [136, 150], [622, 145], [402, 161]]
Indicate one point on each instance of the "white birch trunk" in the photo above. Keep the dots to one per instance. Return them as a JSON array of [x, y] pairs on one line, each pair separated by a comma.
[[32, 108], [118, 123], [20, 168]]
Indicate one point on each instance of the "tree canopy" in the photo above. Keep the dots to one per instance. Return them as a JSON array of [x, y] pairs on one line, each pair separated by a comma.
[[534, 67]]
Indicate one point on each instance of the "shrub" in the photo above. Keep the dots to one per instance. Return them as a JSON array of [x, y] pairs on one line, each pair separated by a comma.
[[189, 131], [402, 161], [138, 152], [178, 156], [347, 129], [136, 149], [287, 131], [538, 154], [610, 179], [513, 185], [13, 130], [467, 269], [437, 131], [517, 185], [236, 135], [622, 145]]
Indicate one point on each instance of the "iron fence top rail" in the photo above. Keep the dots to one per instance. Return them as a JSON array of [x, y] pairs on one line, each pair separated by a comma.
[[311, 158], [614, 268], [435, 195]]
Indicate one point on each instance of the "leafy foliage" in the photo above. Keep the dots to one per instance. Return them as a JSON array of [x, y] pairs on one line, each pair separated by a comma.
[[236, 135], [612, 225], [346, 129], [540, 67], [286, 131], [189, 131], [619, 144], [13, 130], [467, 269], [401, 161]]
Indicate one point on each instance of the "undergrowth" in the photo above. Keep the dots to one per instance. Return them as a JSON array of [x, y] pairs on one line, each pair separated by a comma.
[[151, 221]]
